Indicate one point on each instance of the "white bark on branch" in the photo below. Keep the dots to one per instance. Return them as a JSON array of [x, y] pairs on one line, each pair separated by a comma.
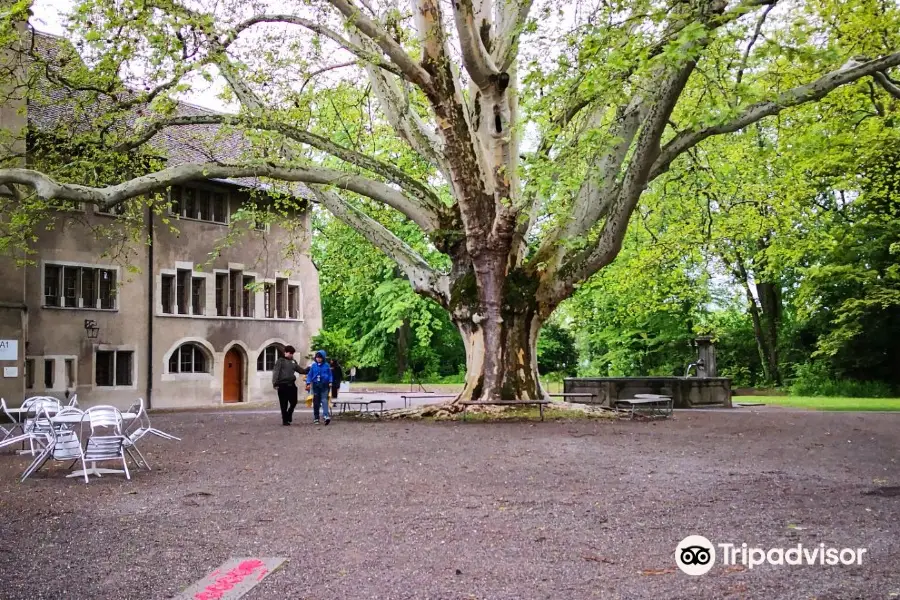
[[808, 92], [367, 57], [424, 279], [429, 198], [476, 58], [107, 197], [513, 15], [375, 32]]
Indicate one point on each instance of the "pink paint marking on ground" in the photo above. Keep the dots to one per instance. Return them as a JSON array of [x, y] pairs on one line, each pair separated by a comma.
[[216, 590]]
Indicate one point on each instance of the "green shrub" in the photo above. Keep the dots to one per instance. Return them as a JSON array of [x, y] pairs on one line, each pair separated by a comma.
[[814, 379]]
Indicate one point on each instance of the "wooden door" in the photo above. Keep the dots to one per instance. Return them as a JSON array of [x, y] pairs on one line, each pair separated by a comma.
[[232, 386]]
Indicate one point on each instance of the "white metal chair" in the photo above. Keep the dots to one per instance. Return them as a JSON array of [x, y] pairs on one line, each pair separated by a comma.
[[143, 428], [107, 442], [14, 423], [62, 445], [39, 427], [73, 401], [68, 411]]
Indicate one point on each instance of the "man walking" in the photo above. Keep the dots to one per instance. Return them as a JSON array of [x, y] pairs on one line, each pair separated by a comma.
[[284, 380], [319, 380]]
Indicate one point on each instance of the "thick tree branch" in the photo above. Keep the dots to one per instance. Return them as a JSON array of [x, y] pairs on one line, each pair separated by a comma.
[[107, 197], [513, 15], [414, 187], [889, 86], [587, 262], [355, 49], [424, 279], [476, 58], [808, 92], [375, 32]]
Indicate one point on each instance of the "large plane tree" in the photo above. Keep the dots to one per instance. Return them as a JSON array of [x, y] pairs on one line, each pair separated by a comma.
[[516, 136]]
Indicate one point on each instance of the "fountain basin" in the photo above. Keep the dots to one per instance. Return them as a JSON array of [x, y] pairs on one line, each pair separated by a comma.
[[686, 392]]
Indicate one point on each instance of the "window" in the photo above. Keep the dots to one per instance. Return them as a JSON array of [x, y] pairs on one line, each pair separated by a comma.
[[70, 373], [51, 285], [29, 373], [248, 297], [280, 293], [269, 301], [166, 292], [221, 294], [235, 286], [70, 286], [182, 289], [198, 295], [115, 210], [199, 204], [107, 289], [188, 358], [267, 358], [88, 288], [203, 209], [77, 287], [114, 368], [219, 208], [294, 301], [49, 372]]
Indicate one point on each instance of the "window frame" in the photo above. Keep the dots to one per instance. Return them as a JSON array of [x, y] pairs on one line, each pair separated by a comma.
[[57, 277], [114, 371], [263, 358], [177, 359]]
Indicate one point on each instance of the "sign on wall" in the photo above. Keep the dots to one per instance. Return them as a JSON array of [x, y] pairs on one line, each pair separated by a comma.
[[9, 349], [10, 372]]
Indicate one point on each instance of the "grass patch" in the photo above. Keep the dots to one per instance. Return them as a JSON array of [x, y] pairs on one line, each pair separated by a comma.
[[827, 403]]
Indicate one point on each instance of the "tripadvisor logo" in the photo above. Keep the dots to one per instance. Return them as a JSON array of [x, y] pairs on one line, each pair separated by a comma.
[[696, 555]]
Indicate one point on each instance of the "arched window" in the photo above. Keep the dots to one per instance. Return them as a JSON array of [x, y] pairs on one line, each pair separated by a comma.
[[267, 358], [189, 358]]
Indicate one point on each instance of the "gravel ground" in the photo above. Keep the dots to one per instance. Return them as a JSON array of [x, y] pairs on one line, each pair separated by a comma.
[[561, 510]]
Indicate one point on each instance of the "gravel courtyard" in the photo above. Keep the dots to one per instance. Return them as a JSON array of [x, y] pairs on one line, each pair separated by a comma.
[[511, 510]]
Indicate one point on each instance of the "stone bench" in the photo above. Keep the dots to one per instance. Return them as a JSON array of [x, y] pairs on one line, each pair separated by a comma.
[[541, 404]]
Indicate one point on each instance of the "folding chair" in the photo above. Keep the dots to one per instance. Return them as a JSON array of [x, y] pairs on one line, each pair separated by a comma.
[[62, 445], [107, 442], [40, 427], [144, 428], [15, 424]]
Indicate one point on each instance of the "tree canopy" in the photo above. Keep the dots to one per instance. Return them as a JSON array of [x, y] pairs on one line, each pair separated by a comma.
[[517, 136]]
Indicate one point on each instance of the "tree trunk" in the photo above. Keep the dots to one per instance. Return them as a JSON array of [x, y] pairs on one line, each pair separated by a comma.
[[501, 341], [770, 302]]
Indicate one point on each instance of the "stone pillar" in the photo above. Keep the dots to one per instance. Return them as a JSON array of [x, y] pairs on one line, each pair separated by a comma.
[[706, 363]]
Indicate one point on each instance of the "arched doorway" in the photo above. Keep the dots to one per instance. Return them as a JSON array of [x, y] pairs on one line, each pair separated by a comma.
[[233, 376]]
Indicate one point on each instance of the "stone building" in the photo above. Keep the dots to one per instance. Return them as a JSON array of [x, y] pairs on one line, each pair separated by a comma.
[[166, 313]]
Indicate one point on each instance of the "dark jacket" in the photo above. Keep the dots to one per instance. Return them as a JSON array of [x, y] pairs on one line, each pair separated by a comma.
[[337, 374], [284, 372], [319, 374]]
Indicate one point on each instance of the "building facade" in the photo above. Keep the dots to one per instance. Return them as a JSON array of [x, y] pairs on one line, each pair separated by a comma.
[[164, 310]]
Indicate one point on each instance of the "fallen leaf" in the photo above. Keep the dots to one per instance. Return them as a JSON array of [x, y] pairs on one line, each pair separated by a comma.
[[735, 569]]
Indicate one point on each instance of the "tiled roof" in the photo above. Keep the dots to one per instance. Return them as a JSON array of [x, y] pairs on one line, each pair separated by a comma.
[[57, 108]]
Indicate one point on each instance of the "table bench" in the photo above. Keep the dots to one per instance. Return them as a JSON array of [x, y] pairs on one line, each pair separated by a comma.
[[408, 398], [651, 406], [345, 403], [566, 395], [541, 404]]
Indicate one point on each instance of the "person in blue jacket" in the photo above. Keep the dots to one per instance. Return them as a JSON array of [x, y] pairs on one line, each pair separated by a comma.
[[318, 379]]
